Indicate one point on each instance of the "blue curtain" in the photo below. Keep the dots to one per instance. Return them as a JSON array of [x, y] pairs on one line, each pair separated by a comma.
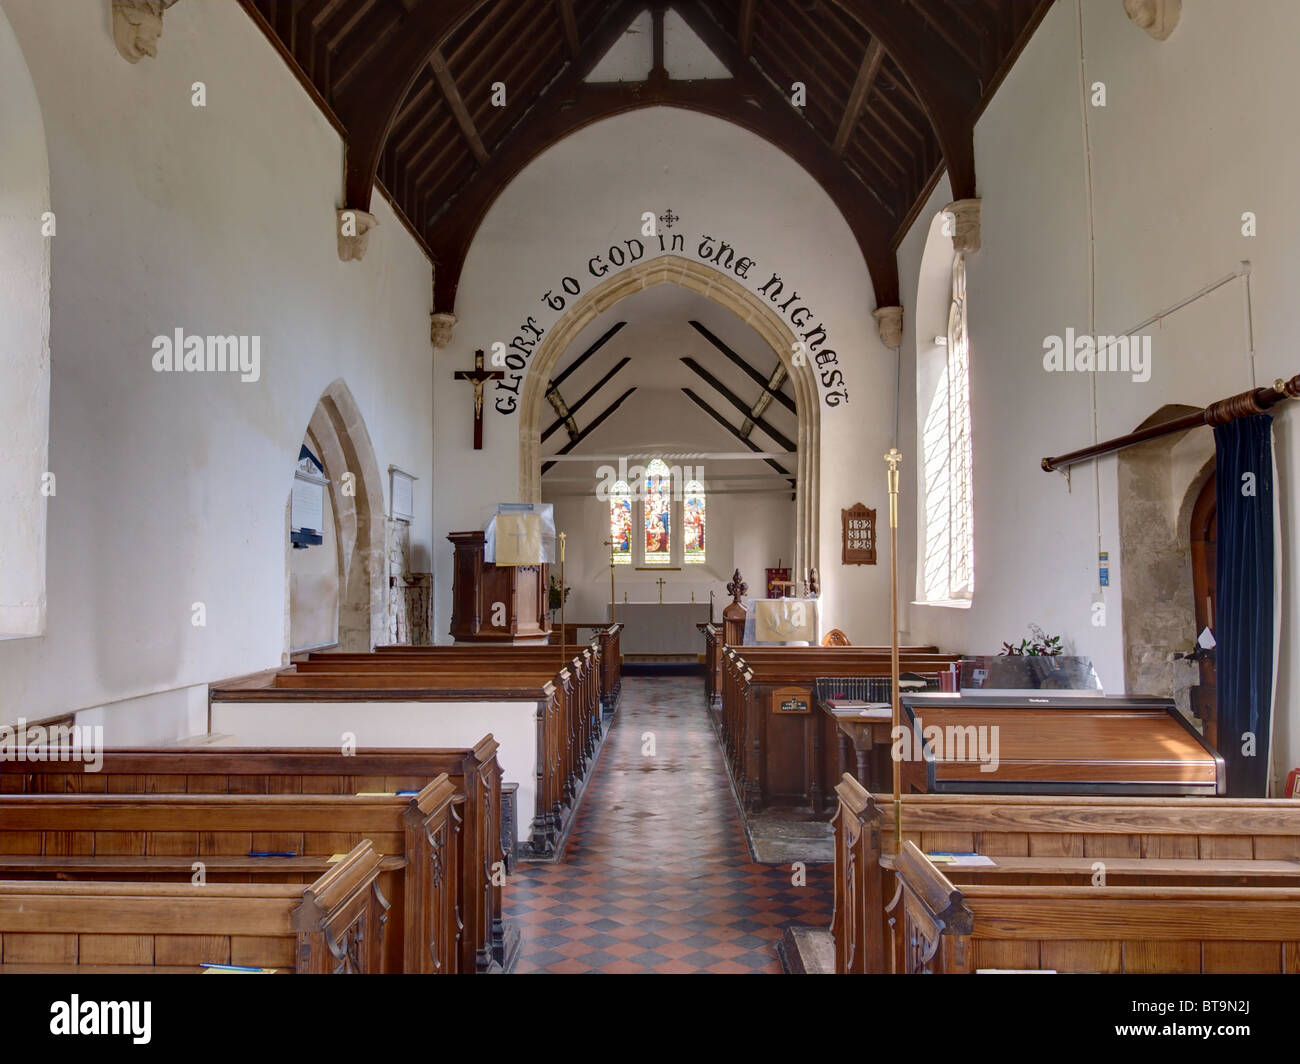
[[1244, 625]]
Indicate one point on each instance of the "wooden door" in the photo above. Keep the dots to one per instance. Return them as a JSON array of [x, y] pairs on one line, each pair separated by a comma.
[[1204, 545]]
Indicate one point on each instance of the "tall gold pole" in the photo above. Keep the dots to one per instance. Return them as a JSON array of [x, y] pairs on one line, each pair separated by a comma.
[[893, 458], [610, 544], [564, 632]]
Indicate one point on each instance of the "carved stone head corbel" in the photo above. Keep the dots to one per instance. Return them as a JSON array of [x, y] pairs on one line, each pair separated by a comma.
[[354, 233], [137, 25], [1157, 17]]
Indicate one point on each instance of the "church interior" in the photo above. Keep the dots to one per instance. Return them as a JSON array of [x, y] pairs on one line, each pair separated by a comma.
[[648, 486]]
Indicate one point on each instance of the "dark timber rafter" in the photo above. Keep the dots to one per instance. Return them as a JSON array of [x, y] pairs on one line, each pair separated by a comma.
[[570, 25], [948, 91], [858, 99], [369, 106], [458, 109], [745, 26], [596, 422], [738, 403], [749, 100], [736, 432], [772, 391], [567, 420], [898, 84]]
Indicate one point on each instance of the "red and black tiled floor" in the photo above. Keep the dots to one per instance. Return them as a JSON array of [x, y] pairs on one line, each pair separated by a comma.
[[656, 876]]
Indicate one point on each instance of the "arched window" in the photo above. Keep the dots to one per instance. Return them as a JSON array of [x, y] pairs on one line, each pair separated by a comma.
[[693, 522], [620, 523], [658, 509], [949, 561]]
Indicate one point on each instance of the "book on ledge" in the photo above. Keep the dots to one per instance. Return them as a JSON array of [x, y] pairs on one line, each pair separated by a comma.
[[856, 707], [961, 860]]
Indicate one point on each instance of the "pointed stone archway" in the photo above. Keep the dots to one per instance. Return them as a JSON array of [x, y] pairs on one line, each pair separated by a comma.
[[722, 290], [337, 427]]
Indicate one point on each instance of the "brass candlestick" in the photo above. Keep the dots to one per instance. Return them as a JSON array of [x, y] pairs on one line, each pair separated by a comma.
[[892, 459]]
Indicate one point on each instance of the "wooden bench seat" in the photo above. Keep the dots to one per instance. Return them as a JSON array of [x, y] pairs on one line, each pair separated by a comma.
[[335, 925], [1039, 841], [559, 689], [66, 835], [474, 772], [781, 748], [953, 927]]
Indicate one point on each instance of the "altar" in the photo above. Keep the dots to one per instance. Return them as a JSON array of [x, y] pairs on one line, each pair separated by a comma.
[[661, 628]]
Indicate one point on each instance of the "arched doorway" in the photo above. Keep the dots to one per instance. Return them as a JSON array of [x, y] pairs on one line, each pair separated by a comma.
[[338, 437], [717, 287]]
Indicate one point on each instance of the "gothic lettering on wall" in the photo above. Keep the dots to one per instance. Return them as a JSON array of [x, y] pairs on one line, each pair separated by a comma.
[[812, 338]]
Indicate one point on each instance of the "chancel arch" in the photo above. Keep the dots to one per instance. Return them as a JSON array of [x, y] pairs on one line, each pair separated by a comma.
[[355, 498], [703, 280]]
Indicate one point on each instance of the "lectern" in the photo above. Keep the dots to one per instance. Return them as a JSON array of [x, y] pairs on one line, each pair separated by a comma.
[[496, 604]]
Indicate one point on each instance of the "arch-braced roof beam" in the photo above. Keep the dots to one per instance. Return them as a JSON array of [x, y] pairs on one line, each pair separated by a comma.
[[947, 89], [369, 104], [748, 101]]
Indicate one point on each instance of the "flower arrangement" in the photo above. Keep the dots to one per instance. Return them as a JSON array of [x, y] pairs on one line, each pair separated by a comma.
[[1041, 645]]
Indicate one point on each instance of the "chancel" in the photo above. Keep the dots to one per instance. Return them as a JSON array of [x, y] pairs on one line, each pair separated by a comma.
[[585, 486]]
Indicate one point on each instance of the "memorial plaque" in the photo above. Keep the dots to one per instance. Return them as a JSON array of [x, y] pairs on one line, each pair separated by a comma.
[[859, 544]]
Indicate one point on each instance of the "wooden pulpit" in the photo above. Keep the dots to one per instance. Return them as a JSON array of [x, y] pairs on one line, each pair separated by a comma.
[[496, 604]]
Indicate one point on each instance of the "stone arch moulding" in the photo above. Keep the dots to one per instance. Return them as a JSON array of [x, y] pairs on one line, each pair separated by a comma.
[[337, 425], [708, 282]]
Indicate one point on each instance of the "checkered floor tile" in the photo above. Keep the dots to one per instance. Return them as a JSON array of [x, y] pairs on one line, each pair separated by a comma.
[[656, 875]]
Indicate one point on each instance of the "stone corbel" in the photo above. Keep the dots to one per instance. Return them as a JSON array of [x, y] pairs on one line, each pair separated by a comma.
[[1157, 17], [440, 328], [137, 25], [965, 224], [889, 323], [354, 233]]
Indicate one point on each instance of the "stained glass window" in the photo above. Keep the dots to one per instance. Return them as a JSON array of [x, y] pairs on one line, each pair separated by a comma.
[[620, 523], [658, 505], [693, 520]]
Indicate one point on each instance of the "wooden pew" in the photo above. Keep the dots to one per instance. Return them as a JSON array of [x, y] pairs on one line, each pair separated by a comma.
[[334, 926], [162, 836], [712, 663], [952, 928], [1063, 840], [606, 642], [474, 772], [782, 749], [559, 691], [570, 732], [578, 672]]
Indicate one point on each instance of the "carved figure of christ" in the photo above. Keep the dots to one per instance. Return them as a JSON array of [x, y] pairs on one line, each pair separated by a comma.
[[478, 376]]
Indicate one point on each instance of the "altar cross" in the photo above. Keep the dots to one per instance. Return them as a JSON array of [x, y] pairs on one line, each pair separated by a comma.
[[478, 377], [660, 582]]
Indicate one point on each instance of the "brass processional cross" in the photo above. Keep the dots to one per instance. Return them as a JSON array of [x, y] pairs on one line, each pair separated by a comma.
[[610, 544]]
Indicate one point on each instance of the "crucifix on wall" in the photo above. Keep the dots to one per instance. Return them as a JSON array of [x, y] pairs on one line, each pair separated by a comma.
[[661, 582], [478, 376]]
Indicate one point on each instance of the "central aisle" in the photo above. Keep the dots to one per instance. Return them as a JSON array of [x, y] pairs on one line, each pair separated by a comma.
[[657, 876]]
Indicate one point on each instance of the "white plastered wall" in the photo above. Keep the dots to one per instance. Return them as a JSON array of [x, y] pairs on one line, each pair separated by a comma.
[[1193, 134], [171, 487], [589, 192]]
